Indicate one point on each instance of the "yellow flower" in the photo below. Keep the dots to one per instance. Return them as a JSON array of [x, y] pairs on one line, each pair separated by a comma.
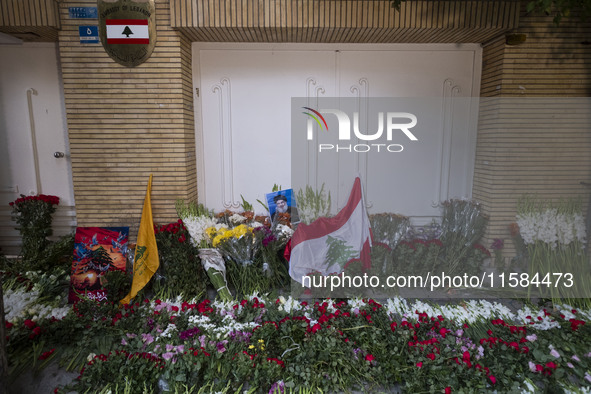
[[251, 347], [211, 232], [242, 230]]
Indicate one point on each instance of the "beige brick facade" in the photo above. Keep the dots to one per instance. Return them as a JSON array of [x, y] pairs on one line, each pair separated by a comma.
[[125, 123], [513, 160]]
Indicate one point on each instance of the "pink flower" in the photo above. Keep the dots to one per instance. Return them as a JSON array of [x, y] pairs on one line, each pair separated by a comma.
[[531, 337], [493, 379], [532, 367], [420, 364], [554, 353]]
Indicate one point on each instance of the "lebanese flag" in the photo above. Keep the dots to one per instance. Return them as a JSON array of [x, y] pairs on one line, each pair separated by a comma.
[[127, 31], [350, 228]]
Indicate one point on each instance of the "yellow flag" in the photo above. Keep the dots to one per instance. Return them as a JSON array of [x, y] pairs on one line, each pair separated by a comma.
[[146, 260]]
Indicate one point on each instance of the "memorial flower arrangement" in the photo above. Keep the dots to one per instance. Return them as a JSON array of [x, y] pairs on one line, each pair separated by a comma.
[[180, 271], [554, 236], [259, 343], [263, 343], [33, 215], [239, 250], [462, 226], [197, 220]]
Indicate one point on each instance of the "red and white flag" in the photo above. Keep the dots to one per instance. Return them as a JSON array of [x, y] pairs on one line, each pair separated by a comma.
[[127, 31], [327, 244]]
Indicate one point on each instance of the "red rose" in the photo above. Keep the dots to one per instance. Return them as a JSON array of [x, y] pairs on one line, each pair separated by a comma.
[[30, 324], [369, 357], [493, 379], [448, 390]]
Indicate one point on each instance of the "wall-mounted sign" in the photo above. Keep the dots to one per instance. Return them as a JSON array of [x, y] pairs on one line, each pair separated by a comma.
[[127, 30], [88, 34], [83, 12]]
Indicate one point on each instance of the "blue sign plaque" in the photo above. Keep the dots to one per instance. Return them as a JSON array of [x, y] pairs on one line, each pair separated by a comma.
[[88, 34], [83, 12]]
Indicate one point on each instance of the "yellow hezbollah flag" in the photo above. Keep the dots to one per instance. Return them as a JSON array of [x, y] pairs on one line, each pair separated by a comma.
[[146, 260]]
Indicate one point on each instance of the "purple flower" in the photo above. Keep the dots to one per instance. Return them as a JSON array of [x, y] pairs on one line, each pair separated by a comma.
[[191, 332], [480, 353], [277, 388], [356, 352], [221, 346], [167, 355], [240, 336], [497, 244], [147, 338], [268, 239]]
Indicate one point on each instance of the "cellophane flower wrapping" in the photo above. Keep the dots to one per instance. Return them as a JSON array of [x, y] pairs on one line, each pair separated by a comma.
[[214, 265], [239, 244]]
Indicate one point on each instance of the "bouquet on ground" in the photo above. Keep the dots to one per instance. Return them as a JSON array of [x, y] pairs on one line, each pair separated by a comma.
[[197, 219]]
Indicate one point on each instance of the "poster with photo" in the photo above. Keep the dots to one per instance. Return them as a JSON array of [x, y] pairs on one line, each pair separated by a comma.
[[96, 251], [282, 207]]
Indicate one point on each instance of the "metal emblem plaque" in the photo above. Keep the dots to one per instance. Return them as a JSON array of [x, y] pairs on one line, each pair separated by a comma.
[[127, 29]]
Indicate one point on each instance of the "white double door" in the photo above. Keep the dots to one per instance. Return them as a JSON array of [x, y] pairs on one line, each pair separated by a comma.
[[243, 97]]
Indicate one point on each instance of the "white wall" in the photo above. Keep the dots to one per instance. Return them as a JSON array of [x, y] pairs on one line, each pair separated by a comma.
[[244, 118]]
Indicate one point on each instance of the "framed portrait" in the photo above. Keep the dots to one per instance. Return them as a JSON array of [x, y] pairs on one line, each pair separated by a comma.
[[282, 206]]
